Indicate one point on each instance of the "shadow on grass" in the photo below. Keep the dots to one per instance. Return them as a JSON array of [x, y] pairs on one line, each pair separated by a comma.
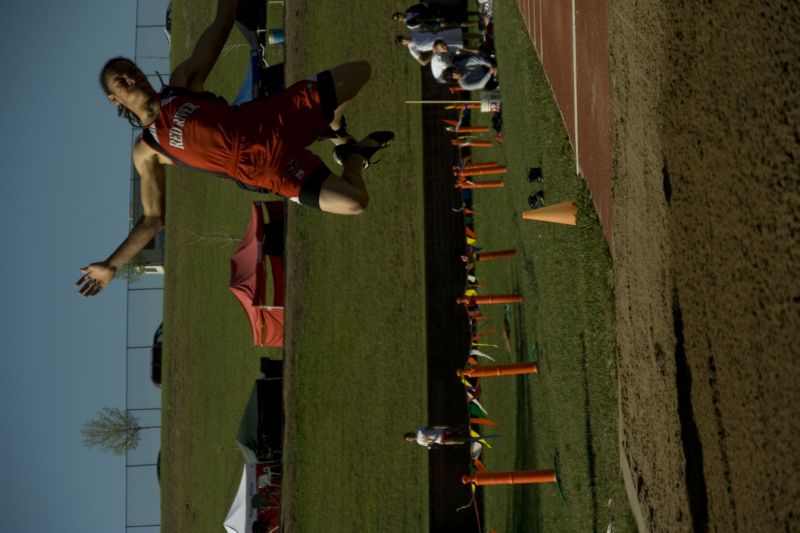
[[448, 327], [590, 453], [526, 501]]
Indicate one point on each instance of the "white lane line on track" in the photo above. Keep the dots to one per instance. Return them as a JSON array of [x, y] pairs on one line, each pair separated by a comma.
[[575, 88], [541, 37]]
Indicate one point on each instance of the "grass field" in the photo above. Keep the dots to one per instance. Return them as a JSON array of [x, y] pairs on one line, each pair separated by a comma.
[[356, 318], [565, 276]]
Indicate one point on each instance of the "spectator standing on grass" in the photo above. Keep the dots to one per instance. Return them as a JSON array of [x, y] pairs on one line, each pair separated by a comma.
[[434, 436], [261, 144], [472, 73], [420, 43], [429, 16], [445, 56]]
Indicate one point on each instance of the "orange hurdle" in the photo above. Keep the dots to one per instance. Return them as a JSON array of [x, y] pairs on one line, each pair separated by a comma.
[[477, 144], [478, 184], [471, 129], [491, 256], [511, 478], [492, 299], [487, 164], [513, 369], [471, 166], [481, 171]]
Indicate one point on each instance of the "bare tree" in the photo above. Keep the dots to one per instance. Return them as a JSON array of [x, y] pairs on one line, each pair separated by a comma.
[[132, 270], [114, 430]]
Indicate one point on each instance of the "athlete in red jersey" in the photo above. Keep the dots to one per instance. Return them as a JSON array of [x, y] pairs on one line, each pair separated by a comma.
[[261, 144]]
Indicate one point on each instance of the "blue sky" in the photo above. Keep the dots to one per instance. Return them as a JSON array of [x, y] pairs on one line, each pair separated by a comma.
[[66, 194]]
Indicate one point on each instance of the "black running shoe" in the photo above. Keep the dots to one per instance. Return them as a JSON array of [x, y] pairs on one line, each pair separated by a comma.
[[536, 200], [381, 140], [535, 175]]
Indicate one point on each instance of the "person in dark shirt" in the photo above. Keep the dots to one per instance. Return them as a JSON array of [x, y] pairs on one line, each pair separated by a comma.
[[429, 16]]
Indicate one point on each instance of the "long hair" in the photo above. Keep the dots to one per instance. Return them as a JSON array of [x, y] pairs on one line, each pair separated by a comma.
[[122, 111]]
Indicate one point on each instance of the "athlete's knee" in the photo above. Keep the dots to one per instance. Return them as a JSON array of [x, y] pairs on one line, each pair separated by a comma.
[[357, 204], [345, 206]]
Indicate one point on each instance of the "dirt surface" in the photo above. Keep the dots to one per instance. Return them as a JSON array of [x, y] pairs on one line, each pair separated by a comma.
[[706, 216]]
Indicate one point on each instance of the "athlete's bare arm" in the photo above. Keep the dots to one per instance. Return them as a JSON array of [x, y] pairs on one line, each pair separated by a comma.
[[193, 72], [97, 276]]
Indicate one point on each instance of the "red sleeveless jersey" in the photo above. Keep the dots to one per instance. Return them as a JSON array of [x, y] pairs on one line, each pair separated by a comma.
[[260, 144], [196, 129]]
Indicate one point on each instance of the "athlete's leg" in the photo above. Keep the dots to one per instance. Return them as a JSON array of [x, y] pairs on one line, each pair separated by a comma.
[[345, 194], [337, 87], [348, 79], [451, 438], [455, 441]]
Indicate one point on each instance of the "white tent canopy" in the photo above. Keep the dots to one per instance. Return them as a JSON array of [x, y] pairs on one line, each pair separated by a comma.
[[258, 499], [241, 514]]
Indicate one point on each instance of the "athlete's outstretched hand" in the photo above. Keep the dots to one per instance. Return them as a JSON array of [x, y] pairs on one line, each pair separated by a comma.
[[95, 278]]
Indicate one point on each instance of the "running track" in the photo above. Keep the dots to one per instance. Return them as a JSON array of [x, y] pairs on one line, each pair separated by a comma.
[[571, 39]]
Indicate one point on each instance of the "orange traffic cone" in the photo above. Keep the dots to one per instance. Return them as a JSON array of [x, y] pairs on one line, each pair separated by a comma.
[[563, 213]]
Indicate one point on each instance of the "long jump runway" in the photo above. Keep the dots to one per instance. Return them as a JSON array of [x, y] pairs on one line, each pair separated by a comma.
[[571, 40]]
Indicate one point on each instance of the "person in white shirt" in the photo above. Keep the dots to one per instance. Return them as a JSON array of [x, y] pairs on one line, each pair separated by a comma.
[[471, 73], [444, 57], [434, 436], [420, 43]]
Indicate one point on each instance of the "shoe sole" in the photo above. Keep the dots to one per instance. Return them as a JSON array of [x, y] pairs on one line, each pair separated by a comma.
[[375, 136], [383, 138], [381, 145]]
